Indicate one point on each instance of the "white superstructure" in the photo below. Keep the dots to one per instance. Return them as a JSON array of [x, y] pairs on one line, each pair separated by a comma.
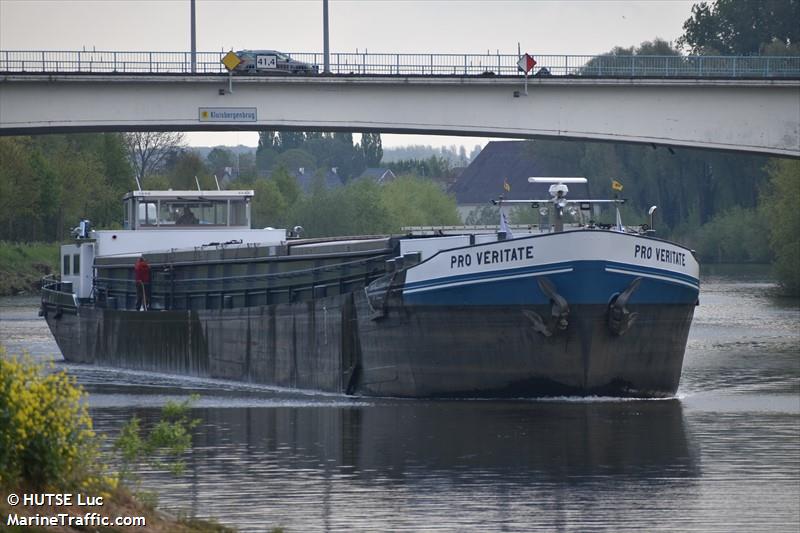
[[165, 220]]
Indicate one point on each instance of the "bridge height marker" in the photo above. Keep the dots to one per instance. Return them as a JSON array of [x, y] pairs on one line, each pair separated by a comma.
[[525, 64]]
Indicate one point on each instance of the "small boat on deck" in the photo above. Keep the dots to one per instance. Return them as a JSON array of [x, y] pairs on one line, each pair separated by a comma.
[[563, 307]]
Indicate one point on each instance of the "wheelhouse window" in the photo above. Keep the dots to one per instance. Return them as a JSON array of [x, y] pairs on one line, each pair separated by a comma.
[[76, 264], [183, 213], [126, 217], [147, 214], [239, 213], [65, 265]]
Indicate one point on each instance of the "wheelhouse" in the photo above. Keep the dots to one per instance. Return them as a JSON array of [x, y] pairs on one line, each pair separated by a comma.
[[148, 210]]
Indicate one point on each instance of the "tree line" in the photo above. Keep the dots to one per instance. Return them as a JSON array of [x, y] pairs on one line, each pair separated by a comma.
[[49, 182], [317, 151]]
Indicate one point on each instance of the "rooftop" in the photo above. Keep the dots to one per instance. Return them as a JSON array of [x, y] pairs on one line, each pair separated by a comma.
[[511, 162]]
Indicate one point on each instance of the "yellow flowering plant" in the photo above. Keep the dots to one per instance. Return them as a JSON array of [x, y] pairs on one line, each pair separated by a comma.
[[46, 435]]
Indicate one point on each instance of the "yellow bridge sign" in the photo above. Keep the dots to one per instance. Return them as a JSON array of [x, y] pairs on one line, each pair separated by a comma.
[[231, 61]]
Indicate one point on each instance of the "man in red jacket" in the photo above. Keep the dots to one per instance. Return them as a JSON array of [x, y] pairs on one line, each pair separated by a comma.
[[142, 275]]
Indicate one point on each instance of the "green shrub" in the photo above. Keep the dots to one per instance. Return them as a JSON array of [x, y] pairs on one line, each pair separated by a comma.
[[46, 436], [778, 204], [162, 445], [735, 236]]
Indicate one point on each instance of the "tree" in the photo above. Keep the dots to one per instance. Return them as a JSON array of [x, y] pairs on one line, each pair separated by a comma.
[[287, 184], [734, 236], [476, 151], [146, 150], [348, 159], [289, 140], [462, 156], [295, 159], [19, 201], [741, 27], [412, 201], [247, 167], [618, 60], [220, 158], [188, 166], [269, 206], [373, 149], [483, 216], [265, 160], [432, 167], [779, 207], [267, 140]]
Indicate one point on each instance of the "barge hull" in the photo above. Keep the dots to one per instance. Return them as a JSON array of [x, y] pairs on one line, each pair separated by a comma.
[[337, 344]]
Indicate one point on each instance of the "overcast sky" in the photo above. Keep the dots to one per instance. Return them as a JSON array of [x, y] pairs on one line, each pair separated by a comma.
[[541, 27]]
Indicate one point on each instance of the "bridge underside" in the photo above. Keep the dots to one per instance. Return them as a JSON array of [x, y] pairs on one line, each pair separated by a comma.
[[760, 116]]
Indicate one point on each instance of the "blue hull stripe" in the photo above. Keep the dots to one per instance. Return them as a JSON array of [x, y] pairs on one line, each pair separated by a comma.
[[590, 282], [652, 276], [639, 270], [551, 268]]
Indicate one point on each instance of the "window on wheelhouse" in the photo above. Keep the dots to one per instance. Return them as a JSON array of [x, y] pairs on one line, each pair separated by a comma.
[[239, 213], [146, 213], [187, 209]]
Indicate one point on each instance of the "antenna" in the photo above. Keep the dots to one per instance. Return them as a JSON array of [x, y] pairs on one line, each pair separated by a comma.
[[198, 184], [137, 182], [216, 180]]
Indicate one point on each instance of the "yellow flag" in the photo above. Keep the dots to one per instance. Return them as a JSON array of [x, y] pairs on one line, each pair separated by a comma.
[[506, 185], [617, 186]]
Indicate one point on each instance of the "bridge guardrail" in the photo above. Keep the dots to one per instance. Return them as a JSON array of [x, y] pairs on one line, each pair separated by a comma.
[[146, 62]]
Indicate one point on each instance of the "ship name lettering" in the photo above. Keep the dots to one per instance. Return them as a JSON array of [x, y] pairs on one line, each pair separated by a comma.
[[460, 260], [670, 256], [490, 257], [662, 255], [643, 252]]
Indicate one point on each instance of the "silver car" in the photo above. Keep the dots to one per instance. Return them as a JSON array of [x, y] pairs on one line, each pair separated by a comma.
[[272, 61]]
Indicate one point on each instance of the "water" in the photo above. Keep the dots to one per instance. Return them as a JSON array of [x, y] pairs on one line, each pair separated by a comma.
[[723, 456]]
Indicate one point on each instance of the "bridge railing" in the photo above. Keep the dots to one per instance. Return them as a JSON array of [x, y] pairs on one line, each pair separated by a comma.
[[372, 64]]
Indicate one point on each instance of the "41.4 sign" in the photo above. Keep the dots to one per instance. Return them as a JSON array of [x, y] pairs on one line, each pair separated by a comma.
[[267, 61]]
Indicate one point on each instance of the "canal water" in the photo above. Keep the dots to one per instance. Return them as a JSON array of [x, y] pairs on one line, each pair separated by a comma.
[[724, 455]]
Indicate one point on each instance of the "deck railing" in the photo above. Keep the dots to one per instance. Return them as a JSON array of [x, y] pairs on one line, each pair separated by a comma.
[[397, 64], [57, 294]]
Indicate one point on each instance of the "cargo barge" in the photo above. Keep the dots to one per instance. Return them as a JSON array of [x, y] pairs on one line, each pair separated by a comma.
[[553, 309]]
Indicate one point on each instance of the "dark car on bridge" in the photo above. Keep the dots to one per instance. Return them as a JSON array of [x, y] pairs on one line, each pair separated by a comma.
[[272, 61]]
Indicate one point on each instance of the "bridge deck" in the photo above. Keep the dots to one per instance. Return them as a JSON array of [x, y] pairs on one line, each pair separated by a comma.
[[397, 64]]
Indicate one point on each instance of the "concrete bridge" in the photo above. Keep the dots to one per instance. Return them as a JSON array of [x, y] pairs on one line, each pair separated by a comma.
[[759, 115]]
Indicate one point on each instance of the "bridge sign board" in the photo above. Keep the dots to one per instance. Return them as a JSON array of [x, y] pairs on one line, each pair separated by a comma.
[[231, 61], [227, 114], [526, 63], [269, 61]]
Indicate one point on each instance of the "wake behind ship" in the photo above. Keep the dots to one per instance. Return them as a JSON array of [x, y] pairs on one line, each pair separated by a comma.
[[553, 309]]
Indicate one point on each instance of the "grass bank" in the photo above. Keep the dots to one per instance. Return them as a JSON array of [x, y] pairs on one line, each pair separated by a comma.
[[22, 265]]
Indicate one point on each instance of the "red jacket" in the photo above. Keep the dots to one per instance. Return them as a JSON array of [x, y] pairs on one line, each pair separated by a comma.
[[142, 271]]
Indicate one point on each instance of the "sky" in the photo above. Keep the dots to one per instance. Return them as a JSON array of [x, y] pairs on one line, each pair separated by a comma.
[[414, 26]]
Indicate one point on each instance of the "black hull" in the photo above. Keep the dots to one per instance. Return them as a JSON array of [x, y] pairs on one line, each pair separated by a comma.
[[338, 344]]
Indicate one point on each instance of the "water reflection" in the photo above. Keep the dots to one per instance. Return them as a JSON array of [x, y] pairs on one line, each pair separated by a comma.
[[464, 458]]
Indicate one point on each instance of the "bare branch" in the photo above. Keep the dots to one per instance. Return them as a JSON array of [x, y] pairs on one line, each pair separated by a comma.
[[147, 149]]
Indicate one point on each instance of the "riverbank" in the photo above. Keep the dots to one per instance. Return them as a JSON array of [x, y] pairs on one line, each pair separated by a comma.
[[22, 265]]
